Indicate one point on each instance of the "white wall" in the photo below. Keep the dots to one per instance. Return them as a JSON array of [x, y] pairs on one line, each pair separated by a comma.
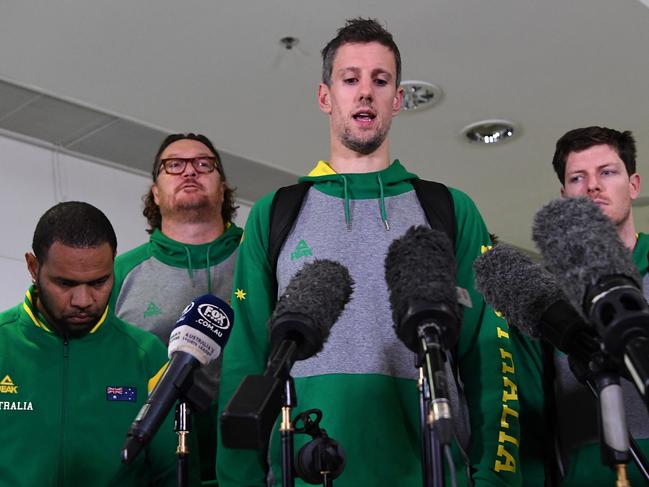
[[34, 178]]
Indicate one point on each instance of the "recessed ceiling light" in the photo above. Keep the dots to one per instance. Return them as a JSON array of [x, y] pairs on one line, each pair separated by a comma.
[[490, 132], [418, 95]]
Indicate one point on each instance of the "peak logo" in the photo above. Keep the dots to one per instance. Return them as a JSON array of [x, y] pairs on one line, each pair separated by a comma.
[[214, 316], [7, 386]]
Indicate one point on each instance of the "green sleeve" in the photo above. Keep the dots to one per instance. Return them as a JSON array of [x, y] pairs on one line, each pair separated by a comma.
[[247, 350], [486, 364]]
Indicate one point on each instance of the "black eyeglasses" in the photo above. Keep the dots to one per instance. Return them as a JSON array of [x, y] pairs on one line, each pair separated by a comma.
[[176, 165]]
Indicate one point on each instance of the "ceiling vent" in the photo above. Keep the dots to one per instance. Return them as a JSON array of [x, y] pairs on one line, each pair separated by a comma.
[[419, 95]]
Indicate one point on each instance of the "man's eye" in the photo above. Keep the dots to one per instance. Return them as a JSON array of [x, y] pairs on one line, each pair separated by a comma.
[[173, 164], [349, 81], [205, 163], [381, 82]]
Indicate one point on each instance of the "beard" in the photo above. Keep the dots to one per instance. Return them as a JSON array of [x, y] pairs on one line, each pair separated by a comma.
[[195, 208], [364, 145], [60, 322]]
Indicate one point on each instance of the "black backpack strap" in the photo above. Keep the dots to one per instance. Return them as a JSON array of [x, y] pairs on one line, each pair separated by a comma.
[[437, 202], [284, 209]]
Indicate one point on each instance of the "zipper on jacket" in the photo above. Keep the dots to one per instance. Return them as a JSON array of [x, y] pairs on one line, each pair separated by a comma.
[[64, 391]]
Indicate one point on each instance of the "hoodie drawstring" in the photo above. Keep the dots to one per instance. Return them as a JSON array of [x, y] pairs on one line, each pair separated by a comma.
[[190, 267], [348, 216], [209, 270], [384, 213]]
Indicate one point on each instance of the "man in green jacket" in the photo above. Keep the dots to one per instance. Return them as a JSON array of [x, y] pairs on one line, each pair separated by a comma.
[[191, 252], [73, 375], [599, 163], [364, 380]]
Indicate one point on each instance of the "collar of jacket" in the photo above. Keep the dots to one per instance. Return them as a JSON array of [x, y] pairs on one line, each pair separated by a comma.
[[178, 254], [394, 180], [641, 253], [37, 318]]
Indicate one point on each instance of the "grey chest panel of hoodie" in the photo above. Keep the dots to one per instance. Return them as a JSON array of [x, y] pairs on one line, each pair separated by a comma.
[[363, 339], [154, 294]]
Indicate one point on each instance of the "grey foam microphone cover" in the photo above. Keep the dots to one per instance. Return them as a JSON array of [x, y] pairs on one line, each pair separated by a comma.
[[516, 286], [309, 306], [420, 268], [580, 245]]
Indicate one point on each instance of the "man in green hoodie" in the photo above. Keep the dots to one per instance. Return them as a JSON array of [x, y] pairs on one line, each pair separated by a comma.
[[364, 380], [72, 375], [599, 163], [191, 252]]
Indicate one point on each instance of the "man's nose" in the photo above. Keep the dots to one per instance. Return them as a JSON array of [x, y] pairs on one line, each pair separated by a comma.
[[189, 170], [366, 90], [593, 184], [81, 297]]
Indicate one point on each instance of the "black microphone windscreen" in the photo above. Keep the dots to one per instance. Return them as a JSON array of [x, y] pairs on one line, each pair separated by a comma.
[[513, 284], [580, 245], [310, 305], [420, 267]]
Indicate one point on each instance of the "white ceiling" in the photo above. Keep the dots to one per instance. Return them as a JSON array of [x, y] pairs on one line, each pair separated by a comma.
[[217, 67]]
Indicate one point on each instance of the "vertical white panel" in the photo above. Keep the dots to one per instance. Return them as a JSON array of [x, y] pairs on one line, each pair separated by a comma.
[[14, 281], [26, 190]]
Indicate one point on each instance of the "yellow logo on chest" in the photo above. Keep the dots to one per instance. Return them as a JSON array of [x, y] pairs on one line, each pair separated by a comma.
[[7, 386]]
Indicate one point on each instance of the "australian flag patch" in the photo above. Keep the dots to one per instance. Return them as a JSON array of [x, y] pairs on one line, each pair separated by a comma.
[[121, 393]]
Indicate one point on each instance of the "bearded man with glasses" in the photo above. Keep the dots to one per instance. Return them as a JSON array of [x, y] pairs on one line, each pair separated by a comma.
[[191, 251]]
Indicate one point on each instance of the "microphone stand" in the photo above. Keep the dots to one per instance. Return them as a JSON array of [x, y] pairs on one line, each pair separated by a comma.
[[616, 443], [286, 433], [431, 458], [435, 411], [182, 425]]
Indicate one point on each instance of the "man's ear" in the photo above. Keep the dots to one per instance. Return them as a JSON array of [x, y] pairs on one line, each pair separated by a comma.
[[634, 185], [154, 192], [32, 265], [324, 98], [397, 102], [563, 191]]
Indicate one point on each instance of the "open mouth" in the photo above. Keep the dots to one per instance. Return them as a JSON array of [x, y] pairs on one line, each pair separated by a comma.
[[364, 116]]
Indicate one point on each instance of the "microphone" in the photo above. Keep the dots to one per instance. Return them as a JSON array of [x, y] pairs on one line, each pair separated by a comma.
[[200, 333], [582, 248], [420, 273], [299, 327], [531, 300]]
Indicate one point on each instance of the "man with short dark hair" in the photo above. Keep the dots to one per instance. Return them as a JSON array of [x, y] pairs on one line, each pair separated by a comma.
[[73, 375], [364, 380], [599, 163], [191, 252]]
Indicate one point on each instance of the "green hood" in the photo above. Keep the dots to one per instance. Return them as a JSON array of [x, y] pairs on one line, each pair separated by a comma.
[[391, 181], [190, 257], [394, 180]]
